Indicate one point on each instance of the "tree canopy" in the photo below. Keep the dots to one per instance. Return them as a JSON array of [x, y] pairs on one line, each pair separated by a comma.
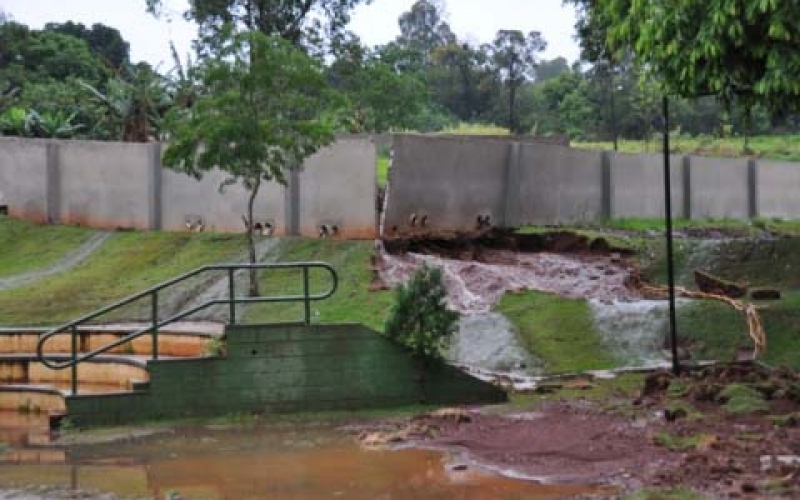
[[264, 108], [738, 50]]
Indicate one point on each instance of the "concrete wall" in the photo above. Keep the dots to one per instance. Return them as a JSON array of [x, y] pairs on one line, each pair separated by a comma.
[[287, 368], [187, 200], [637, 186], [105, 185], [123, 186], [778, 185], [23, 178], [719, 188], [559, 184], [521, 183], [333, 191], [449, 180]]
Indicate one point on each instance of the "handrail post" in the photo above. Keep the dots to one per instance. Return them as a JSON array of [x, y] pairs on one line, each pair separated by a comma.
[[74, 367], [306, 298], [231, 297], [154, 317]]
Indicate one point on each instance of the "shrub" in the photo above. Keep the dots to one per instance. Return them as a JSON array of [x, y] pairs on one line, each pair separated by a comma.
[[419, 318]]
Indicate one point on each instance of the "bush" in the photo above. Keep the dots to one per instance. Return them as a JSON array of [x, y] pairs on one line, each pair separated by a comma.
[[419, 318]]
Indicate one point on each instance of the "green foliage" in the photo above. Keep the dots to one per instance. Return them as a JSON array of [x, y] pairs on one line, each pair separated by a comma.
[[265, 107], [420, 319], [216, 347], [666, 494], [738, 50], [679, 443], [301, 22], [740, 399], [514, 56], [131, 105]]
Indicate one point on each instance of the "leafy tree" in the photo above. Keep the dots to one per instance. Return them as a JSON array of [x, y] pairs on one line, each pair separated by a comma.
[[302, 22], [419, 318], [742, 51], [515, 58], [381, 98], [261, 114], [105, 41], [133, 105], [462, 81], [423, 30], [553, 68]]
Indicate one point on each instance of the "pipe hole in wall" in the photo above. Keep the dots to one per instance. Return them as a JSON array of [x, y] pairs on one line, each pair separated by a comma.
[[324, 231], [3, 209], [424, 221]]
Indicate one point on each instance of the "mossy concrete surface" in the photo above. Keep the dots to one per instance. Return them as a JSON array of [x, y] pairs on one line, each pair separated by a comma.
[[287, 368]]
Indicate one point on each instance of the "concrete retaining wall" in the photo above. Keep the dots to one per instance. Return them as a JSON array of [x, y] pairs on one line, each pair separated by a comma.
[[123, 186], [287, 368], [449, 181], [637, 186], [24, 179], [557, 183], [719, 188], [522, 183], [778, 185]]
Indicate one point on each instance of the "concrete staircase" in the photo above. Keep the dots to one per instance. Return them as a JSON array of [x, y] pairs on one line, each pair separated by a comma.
[[27, 387]]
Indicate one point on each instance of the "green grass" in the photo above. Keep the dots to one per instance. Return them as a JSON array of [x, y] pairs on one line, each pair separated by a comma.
[[558, 331], [783, 147], [678, 443], [718, 331], [27, 247], [128, 263], [352, 303], [383, 170], [666, 494], [613, 395], [476, 129]]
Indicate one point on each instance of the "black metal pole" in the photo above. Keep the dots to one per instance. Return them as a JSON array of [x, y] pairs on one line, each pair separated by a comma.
[[673, 333]]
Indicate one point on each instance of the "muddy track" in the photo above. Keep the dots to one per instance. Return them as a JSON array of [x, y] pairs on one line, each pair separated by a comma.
[[70, 261]]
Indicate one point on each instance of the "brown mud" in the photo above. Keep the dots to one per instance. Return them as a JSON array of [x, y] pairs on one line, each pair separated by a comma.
[[673, 431]]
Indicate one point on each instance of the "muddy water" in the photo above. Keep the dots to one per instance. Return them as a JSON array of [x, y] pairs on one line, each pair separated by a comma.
[[287, 462], [474, 287], [488, 341], [633, 332]]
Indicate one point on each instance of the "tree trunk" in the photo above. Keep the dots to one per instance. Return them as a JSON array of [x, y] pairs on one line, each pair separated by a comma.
[[251, 238]]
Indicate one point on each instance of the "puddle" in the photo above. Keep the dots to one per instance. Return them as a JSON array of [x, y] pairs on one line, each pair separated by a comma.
[[287, 462]]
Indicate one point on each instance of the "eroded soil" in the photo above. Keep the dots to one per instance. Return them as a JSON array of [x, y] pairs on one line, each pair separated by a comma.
[[689, 431]]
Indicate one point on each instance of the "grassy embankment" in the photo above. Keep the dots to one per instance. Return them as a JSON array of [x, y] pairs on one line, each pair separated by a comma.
[[775, 147], [126, 264], [352, 303], [26, 247]]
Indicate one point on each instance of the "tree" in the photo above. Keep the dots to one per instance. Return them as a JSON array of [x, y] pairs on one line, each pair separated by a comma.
[[105, 41], [260, 115], [419, 318], [515, 57], [742, 51], [380, 98], [423, 30], [133, 104], [302, 22]]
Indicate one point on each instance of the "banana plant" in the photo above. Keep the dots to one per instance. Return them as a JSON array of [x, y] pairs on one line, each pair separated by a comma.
[[58, 125], [133, 105]]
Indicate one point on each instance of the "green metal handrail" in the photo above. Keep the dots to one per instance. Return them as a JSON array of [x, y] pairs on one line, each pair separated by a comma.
[[155, 325]]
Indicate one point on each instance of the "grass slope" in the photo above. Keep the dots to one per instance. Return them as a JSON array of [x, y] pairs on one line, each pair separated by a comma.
[[27, 247], [352, 303], [128, 263], [556, 330]]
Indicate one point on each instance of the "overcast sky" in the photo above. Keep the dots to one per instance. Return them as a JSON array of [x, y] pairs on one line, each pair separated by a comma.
[[474, 20]]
